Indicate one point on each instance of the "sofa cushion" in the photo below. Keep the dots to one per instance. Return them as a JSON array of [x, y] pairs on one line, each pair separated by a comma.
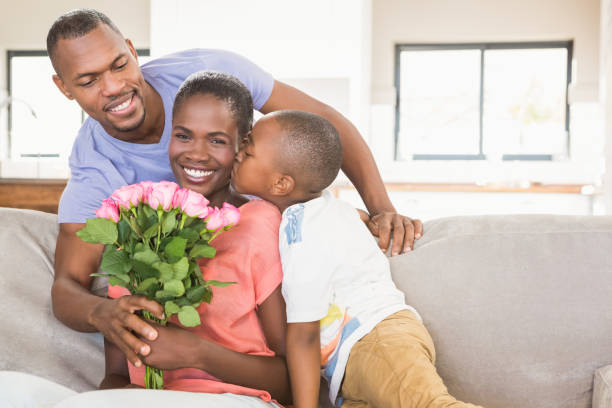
[[602, 388], [518, 306], [32, 339]]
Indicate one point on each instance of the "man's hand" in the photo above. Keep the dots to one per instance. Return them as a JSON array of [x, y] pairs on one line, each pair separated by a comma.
[[404, 231], [115, 319], [174, 348]]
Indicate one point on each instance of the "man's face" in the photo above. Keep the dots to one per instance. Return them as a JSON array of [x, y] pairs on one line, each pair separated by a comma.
[[100, 71], [255, 164]]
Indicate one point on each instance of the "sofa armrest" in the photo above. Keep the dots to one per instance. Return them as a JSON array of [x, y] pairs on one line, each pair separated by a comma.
[[602, 388]]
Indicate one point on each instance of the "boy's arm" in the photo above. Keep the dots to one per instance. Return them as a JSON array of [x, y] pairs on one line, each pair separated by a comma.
[[304, 361], [116, 373]]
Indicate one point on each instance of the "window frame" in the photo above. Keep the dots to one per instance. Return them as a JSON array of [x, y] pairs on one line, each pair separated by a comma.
[[482, 47], [10, 54]]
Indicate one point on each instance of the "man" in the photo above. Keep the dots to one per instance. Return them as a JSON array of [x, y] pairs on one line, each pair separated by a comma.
[[125, 141]]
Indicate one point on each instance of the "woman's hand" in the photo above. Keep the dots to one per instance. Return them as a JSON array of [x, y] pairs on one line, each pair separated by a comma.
[[116, 320], [174, 348], [404, 231]]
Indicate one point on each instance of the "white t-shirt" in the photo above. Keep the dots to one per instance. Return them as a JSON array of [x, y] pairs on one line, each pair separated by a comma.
[[334, 271]]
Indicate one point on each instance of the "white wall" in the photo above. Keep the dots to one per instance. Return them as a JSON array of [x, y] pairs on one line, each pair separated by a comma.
[[451, 21], [320, 46], [24, 25], [606, 97]]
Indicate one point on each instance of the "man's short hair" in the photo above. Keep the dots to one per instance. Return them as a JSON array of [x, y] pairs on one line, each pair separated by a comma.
[[75, 24], [224, 87], [311, 149]]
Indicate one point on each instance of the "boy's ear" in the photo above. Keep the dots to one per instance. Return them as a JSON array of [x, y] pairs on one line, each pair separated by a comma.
[[62, 87], [283, 185]]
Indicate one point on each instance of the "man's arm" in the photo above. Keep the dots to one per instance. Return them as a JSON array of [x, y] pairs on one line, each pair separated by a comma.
[[304, 361], [359, 166], [75, 306]]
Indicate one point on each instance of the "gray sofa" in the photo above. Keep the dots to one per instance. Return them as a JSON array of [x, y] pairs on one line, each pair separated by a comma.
[[520, 307]]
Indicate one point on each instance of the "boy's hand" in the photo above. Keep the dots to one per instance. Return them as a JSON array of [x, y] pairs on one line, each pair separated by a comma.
[[404, 231]]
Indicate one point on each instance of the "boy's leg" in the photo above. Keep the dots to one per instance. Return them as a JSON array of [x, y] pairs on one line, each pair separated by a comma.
[[393, 366]]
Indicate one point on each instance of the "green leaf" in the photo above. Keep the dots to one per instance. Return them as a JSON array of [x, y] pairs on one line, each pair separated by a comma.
[[182, 301], [135, 227], [146, 256], [189, 317], [99, 231], [202, 251], [196, 294], [168, 222], [181, 268], [187, 283], [220, 284], [206, 236], [190, 234], [176, 247], [175, 287], [124, 229], [115, 262], [146, 285], [116, 281], [162, 296], [145, 271], [166, 273], [198, 224], [171, 308], [150, 232], [148, 210]]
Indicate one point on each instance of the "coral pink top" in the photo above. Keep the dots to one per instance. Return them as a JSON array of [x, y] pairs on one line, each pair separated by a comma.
[[247, 254]]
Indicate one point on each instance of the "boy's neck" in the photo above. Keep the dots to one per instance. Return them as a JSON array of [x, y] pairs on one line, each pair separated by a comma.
[[285, 202]]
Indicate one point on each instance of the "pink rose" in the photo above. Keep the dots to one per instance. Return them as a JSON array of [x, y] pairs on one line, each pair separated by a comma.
[[215, 219], [108, 210], [128, 196], [191, 203], [161, 195], [231, 214]]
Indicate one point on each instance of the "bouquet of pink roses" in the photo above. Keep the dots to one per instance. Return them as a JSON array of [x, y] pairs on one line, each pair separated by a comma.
[[154, 234]]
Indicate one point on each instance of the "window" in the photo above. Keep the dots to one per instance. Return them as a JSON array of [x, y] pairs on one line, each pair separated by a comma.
[[482, 101], [42, 122]]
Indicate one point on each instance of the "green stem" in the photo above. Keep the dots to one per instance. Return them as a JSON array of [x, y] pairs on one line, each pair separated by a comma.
[[159, 217]]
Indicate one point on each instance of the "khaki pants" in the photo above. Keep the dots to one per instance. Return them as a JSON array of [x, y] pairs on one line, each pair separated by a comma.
[[393, 366]]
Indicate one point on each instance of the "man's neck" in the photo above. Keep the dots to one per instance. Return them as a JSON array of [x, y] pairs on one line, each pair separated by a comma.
[[151, 130]]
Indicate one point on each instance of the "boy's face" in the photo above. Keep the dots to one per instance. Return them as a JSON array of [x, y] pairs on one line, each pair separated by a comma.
[[100, 71], [203, 145], [254, 167]]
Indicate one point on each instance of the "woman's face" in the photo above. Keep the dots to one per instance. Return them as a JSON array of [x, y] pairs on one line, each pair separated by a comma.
[[203, 145]]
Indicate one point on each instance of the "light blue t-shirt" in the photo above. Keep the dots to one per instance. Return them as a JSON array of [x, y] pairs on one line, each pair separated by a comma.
[[100, 164]]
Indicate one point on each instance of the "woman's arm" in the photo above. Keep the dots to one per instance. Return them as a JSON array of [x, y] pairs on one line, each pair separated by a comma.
[[178, 348], [116, 373]]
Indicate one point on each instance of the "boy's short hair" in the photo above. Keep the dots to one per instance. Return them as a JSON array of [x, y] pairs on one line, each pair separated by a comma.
[[75, 24], [310, 147], [224, 87]]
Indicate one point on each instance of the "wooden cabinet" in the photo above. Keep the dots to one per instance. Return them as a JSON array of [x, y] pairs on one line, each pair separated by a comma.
[[34, 194]]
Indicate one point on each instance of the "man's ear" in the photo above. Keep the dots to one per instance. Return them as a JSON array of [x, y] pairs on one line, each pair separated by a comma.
[[283, 185], [62, 87], [131, 48]]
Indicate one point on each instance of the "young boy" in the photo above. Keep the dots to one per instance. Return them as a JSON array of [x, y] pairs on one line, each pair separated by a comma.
[[344, 313]]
